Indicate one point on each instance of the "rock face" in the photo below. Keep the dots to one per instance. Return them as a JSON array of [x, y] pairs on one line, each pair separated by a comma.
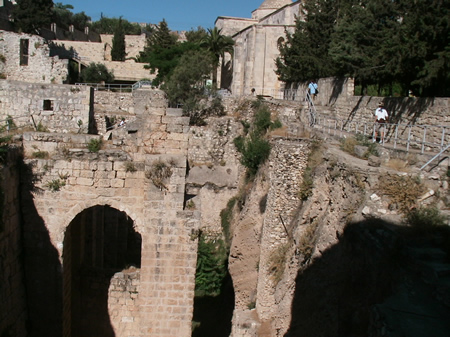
[[333, 256]]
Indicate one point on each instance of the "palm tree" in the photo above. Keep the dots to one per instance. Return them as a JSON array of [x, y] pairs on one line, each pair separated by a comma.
[[217, 44]]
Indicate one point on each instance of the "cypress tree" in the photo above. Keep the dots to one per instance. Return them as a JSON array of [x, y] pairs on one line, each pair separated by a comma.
[[118, 48]]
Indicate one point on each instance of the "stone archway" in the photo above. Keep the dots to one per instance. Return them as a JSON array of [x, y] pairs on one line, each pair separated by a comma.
[[99, 242]]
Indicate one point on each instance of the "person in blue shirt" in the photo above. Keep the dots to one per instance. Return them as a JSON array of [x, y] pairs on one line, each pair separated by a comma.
[[313, 89]]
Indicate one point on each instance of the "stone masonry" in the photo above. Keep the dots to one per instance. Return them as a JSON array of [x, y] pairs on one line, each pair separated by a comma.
[[157, 299], [39, 66]]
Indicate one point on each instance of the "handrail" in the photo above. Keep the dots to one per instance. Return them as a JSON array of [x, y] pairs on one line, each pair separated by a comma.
[[436, 156], [312, 109], [421, 136], [112, 87]]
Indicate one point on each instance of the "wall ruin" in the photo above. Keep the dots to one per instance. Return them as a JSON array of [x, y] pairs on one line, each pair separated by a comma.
[[27, 58]]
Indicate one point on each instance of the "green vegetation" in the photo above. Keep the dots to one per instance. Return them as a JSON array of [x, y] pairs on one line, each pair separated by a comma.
[[226, 216], [118, 43], [348, 145], [314, 159], [31, 15], [55, 185], [388, 46], [254, 147], [217, 45], [94, 145], [130, 167], [40, 154], [96, 73], [211, 266], [426, 218]]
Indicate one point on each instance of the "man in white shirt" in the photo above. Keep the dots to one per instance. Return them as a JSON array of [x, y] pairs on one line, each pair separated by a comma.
[[381, 118]]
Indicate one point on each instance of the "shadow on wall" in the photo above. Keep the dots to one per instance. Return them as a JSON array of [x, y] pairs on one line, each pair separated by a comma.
[[43, 278], [407, 108], [337, 87], [99, 242], [371, 281]]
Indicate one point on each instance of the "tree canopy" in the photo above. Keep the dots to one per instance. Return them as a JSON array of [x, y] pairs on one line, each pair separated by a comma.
[[109, 25], [378, 42], [96, 73], [32, 15]]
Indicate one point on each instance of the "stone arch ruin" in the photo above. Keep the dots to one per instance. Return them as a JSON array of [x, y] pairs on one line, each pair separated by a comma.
[[99, 243]]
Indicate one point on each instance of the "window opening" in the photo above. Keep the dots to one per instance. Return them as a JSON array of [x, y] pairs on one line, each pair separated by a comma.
[[24, 43], [48, 105]]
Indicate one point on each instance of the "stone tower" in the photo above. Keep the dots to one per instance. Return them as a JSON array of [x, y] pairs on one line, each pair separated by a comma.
[[269, 6]]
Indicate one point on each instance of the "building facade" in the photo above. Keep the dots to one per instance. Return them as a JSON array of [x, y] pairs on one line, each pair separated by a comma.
[[256, 47]]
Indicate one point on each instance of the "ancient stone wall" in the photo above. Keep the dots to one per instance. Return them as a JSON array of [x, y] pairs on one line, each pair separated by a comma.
[[134, 44], [58, 108], [287, 162], [87, 51], [13, 305], [31, 63]]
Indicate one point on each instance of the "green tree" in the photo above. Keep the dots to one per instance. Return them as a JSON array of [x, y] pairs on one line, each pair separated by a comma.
[[109, 25], [81, 20], [304, 54], [62, 15], [217, 45], [32, 15], [165, 60], [196, 36], [160, 38], [118, 43], [186, 84], [96, 73]]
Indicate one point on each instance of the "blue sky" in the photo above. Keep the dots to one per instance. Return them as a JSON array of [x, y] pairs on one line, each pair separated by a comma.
[[179, 14]]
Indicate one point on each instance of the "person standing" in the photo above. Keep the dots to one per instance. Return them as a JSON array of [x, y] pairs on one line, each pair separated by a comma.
[[313, 89], [381, 118]]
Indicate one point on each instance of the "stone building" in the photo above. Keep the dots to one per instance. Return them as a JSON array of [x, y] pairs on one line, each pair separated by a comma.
[[256, 47], [26, 57]]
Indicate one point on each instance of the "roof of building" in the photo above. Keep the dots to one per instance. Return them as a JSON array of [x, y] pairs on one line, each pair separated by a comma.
[[269, 4]]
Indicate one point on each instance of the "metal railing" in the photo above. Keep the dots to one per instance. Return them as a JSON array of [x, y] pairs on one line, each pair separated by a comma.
[[312, 112], [425, 138], [116, 87]]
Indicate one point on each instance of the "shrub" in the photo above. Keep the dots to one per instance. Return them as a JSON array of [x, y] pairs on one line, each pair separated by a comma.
[[96, 73], [277, 262], [130, 167], [40, 154], [348, 145], [95, 145], [307, 184], [226, 217], [211, 267], [308, 240], [255, 152], [55, 185], [276, 124], [425, 217], [158, 174], [262, 119], [190, 205], [41, 128], [403, 191]]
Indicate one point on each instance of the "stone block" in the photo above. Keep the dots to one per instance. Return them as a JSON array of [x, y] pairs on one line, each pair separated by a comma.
[[85, 181]]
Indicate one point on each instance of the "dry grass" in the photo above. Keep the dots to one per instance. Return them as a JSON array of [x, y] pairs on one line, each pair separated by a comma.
[[398, 165], [403, 191], [277, 262]]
